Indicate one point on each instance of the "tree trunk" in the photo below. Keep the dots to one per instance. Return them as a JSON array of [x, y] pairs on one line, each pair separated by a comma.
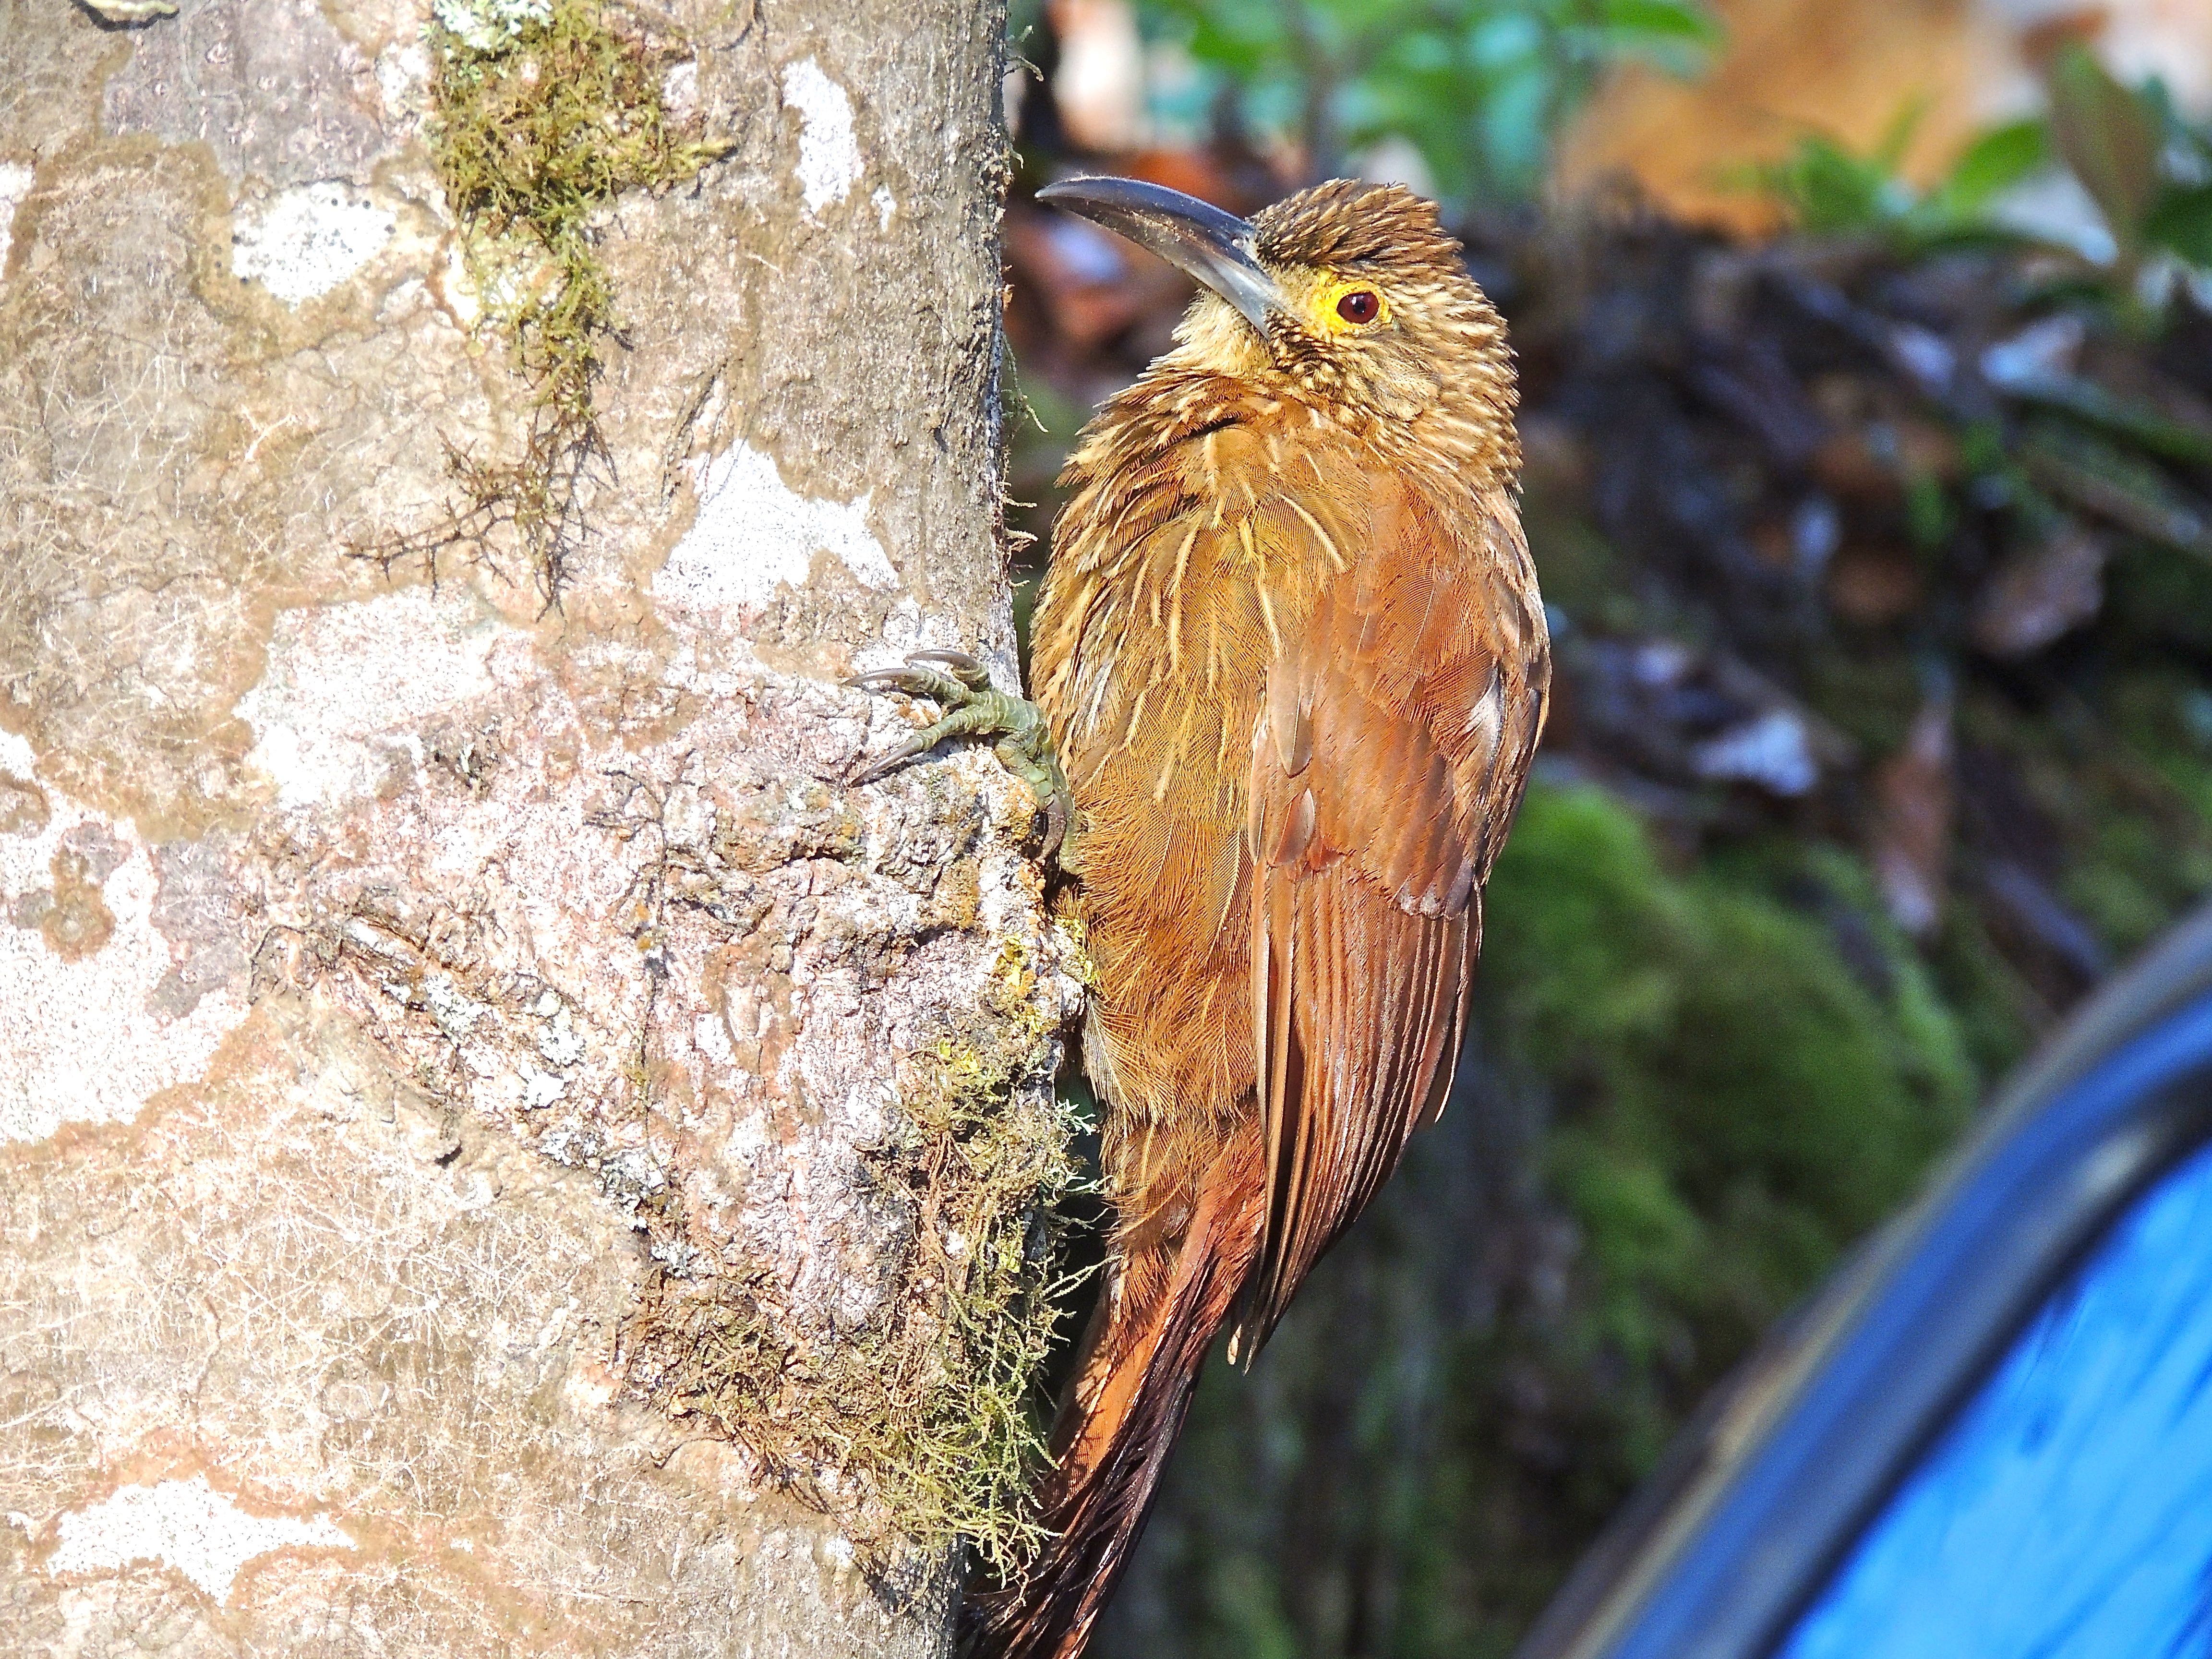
[[501, 1149]]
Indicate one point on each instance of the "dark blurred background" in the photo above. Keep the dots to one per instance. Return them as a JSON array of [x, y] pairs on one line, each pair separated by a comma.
[[1867, 355]]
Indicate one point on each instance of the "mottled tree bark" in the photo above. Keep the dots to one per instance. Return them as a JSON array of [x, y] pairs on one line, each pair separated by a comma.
[[400, 979]]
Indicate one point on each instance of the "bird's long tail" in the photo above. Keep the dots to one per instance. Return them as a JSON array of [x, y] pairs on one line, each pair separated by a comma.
[[1139, 1362]]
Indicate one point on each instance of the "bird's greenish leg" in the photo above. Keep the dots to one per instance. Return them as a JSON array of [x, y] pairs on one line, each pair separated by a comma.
[[972, 708]]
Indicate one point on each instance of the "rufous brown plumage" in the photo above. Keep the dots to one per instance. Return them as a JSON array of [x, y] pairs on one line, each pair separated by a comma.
[[1290, 654]]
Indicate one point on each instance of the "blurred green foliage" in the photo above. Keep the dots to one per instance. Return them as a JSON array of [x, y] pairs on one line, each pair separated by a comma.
[[1745, 1067], [1828, 190], [2125, 780], [1735, 1102], [2149, 170], [2145, 166], [1480, 87]]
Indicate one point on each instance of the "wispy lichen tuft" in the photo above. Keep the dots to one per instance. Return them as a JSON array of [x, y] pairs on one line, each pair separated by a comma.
[[542, 114]]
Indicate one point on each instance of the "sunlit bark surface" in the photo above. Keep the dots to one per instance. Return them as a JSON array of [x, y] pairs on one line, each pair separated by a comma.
[[400, 976]]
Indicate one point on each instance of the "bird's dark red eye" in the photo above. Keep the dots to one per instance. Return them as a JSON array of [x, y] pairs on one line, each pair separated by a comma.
[[1359, 306]]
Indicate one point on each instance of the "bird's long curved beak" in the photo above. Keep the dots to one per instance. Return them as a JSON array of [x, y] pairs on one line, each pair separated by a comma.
[[1195, 236]]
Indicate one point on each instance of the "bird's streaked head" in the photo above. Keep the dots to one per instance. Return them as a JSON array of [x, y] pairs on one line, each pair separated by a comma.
[[1349, 296]]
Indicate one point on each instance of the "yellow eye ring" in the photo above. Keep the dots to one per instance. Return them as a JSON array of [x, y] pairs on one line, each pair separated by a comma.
[[1352, 307]]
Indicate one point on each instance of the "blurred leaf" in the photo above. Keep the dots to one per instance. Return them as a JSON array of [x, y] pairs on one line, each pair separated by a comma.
[[2109, 482], [1897, 137], [2041, 592], [1480, 88], [2121, 416], [2110, 136], [1513, 126], [1829, 191], [2181, 222], [1665, 19], [1929, 519], [1675, 38], [1914, 807], [1993, 164]]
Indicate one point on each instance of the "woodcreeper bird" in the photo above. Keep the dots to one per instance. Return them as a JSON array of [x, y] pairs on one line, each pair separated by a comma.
[[1291, 656]]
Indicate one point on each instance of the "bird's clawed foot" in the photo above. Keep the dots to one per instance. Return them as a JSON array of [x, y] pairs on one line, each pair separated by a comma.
[[961, 686]]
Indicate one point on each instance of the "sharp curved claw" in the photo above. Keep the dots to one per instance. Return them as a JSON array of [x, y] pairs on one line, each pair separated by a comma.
[[970, 672], [884, 764]]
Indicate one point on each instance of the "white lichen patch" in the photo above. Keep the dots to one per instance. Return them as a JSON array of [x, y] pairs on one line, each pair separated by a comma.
[[680, 91], [485, 26], [82, 1040], [16, 754], [347, 685], [753, 533], [187, 1526], [403, 76], [829, 162], [885, 205], [15, 186], [305, 241]]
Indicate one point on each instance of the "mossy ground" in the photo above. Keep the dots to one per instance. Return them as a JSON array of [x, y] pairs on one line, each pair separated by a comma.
[[928, 1423], [1747, 1068], [544, 112]]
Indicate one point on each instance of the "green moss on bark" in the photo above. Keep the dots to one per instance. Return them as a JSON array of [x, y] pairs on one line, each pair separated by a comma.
[[542, 113], [924, 1426]]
